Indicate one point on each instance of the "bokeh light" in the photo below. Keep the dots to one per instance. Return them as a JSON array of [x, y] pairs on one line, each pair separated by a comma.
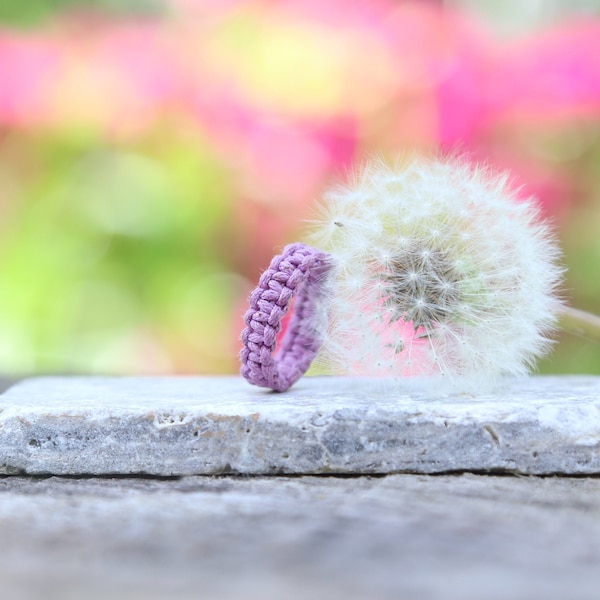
[[154, 155]]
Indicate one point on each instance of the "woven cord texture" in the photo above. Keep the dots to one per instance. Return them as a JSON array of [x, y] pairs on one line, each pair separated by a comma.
[[299, 271]]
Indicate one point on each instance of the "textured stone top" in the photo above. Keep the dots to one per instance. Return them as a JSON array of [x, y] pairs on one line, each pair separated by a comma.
[[324, 425]]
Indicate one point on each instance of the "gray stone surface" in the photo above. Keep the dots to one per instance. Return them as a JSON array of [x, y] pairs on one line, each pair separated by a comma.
[[212, 425], [418, 537]]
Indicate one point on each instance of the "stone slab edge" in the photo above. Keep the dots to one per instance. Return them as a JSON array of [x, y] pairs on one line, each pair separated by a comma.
[[171, 426]]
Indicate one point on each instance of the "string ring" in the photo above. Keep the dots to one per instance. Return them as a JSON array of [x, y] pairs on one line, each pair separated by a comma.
[[299, 272]]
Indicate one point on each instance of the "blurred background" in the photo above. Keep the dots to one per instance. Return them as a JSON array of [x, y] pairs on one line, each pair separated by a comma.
[[155, 154]]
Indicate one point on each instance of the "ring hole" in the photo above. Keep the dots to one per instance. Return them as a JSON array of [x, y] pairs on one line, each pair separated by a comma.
[[285, 325]]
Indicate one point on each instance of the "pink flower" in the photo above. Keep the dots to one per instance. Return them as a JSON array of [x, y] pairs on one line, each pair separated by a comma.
[[28, 65], [552, 75]]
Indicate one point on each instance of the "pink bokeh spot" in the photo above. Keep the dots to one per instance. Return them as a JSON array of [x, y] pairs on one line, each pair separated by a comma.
[[28, 66], [555, 74]]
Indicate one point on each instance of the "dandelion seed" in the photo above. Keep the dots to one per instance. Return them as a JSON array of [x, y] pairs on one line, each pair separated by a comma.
[[444, 272]]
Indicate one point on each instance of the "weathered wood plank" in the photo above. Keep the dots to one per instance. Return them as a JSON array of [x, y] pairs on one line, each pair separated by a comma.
[[401, 536]]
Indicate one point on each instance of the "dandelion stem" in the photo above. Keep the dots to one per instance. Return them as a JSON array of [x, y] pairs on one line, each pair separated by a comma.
[[579, 322]]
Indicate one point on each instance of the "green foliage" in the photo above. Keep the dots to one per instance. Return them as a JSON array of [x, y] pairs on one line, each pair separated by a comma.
[[105, 245], [28, 13]]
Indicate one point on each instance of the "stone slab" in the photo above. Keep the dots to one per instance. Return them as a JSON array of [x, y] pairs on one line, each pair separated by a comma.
[[411, 537], [214, 425]]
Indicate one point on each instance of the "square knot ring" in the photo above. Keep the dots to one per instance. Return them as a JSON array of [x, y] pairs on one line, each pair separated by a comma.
[[299, 273]]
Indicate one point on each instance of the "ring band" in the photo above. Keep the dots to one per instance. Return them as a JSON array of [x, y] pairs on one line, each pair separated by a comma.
[[301, 272]]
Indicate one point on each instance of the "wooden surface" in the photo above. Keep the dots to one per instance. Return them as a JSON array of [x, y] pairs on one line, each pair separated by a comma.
[[401, 536]]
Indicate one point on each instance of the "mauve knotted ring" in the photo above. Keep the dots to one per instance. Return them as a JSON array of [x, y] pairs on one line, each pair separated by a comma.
[[299, 273]]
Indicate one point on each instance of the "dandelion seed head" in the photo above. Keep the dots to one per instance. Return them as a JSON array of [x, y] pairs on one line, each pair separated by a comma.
[[439, 270]]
